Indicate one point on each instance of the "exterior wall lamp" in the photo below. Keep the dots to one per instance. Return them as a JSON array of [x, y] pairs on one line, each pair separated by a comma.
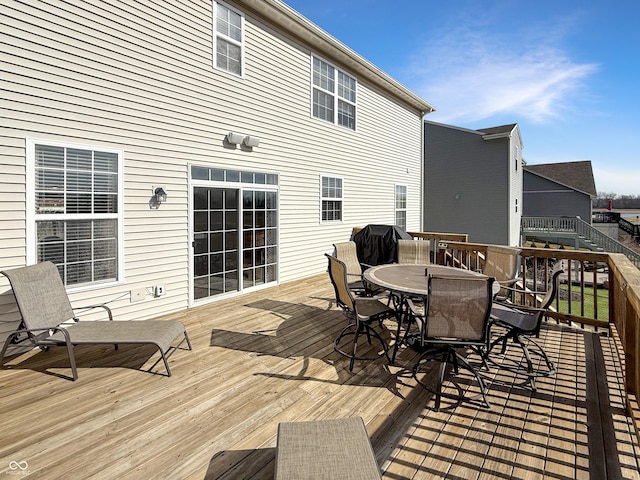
[[158, 198], [234, 138], [251, 141]]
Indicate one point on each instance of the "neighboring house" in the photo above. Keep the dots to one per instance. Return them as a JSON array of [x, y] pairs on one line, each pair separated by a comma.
[[473, 182], [270, 138], [559, 190]]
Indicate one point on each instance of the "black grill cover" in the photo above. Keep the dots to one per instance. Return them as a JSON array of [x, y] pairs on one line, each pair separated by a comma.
[[377, 244]]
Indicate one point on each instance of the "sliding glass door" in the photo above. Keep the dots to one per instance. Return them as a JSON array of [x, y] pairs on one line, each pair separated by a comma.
[[235, 232]]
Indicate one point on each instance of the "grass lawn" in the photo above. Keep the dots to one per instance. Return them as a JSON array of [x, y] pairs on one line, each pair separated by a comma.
[[603, 303]]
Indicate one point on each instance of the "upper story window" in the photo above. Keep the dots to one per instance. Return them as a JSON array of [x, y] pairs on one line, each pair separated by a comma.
[[229, 40], [334, 95], [76, 218], [331, 199], [401, 206]]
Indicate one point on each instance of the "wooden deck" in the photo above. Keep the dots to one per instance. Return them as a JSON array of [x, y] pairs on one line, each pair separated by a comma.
[[267, 357]]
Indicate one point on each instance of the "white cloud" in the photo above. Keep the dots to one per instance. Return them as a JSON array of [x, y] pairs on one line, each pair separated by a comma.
[[472, 73], [621, 181]]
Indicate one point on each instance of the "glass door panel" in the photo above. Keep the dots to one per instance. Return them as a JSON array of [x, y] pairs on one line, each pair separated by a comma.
[[215, 247]]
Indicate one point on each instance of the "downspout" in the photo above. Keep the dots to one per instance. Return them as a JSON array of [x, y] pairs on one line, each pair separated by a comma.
[[422, 171]]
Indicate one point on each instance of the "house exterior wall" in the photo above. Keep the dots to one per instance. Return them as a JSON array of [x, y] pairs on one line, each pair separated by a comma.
[[138, 77], [470, 185], [546, 198]]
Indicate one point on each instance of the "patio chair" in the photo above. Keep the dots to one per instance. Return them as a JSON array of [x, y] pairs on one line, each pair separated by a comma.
[[414, 251], [521, 323], [361, 311], [48, 319], [503, 264], [346, 252], [456, 316]]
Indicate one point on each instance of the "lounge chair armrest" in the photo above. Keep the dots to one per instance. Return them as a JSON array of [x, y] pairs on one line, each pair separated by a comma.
[[91, 307]]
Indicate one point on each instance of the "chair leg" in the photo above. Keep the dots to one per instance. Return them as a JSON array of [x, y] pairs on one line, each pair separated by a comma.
[[6, 345], [358, 329], [449, 356]]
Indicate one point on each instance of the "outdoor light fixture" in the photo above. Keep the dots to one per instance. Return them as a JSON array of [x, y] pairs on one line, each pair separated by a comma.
[[160, 194], [234, 138], [251, 141], [159, 197]]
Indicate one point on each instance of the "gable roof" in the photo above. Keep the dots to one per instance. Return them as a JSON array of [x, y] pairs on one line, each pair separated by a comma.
[[299, 27], [502, 129], [576, 175]]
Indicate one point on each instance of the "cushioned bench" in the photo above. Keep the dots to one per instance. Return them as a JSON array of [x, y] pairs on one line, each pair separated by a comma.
[[326, 449]]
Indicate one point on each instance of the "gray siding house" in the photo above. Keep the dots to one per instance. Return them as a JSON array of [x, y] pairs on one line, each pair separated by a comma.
[[559, 190], [473, 182], [267, 135]]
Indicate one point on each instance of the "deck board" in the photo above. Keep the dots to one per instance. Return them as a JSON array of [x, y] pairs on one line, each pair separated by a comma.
[[267, 357]]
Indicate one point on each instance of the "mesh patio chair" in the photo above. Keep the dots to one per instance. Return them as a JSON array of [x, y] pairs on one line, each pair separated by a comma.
[[456, 317], [49, 320], [520, 323], [360, 311], [503, 263], [346, 252], [414, 251]]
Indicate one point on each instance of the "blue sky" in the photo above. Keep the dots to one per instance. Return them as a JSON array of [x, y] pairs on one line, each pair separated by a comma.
[[566, 71]]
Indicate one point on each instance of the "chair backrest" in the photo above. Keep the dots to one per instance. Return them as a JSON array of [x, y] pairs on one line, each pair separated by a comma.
[[338, 275], [346, 252], [458, 310], [40, 295], [414, 251], [552, 291], [502, 263]]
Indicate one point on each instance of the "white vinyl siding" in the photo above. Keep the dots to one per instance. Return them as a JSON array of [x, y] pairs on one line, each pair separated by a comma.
[[137, 77]]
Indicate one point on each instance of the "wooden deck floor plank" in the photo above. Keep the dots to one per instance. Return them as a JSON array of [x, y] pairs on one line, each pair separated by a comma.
[[268, 357]]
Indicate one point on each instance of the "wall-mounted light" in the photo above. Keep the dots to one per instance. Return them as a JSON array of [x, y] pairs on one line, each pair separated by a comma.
[[235, 138], [251, 141], [159, 196]]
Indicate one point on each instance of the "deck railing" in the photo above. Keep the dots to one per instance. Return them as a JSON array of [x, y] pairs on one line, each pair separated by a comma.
[[602, 291], [580, 230]]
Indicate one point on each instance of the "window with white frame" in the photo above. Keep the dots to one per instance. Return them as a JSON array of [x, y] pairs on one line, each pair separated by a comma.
[[76, 223], [401, 206], [228, 39], [331, 199], [334, 95]]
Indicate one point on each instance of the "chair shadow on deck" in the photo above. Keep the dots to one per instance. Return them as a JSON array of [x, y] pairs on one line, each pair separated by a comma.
[[306, 332], [233, 464], [133, 357]]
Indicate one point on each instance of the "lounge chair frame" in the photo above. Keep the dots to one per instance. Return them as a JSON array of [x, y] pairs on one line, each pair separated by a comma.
[[49, 320]]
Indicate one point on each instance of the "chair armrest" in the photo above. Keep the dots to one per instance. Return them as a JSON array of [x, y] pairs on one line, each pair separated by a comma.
[[521, 308], [375, 297], [413, 309], [91, 307]]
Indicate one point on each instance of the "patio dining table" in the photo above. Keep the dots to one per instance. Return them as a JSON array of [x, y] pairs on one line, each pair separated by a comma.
[[407, 281]]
